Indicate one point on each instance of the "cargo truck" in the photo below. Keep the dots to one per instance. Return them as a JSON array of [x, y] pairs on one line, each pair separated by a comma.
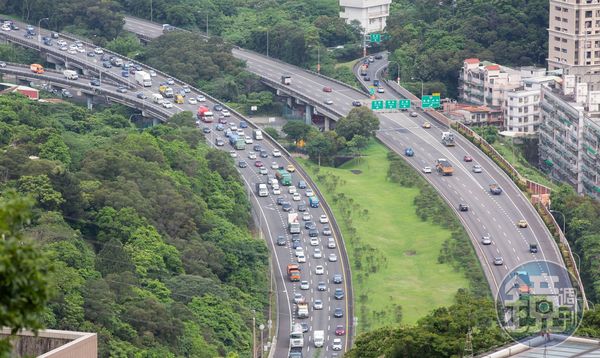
[[204, 114], [70, 74], [261, 189], [448, 139], [297, 336], [143, 78], [318, 338], [293, 223], [286, 79], [179, 99], [257, 134], [302, 310], [237, 142], [313, 201], [284, 177], [444, 167], [157, 98], [166, 91], [36, 68], [293, 271]]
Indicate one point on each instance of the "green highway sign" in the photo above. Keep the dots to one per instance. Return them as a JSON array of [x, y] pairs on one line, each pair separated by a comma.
[[404, 103], [375, 38], [430, 101], [391, 104], [371, 91], [376, 104]]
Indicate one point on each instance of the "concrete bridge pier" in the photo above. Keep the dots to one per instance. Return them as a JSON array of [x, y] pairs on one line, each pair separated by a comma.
[[326, 124], [90, 101], [308, 114], [155, 121]]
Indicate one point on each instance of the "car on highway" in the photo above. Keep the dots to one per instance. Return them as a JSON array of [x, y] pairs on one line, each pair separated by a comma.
[[305, 327], [276, 191], [226, 113], [263, 171], [340, 330], [356, 103], [200, 98], [331, 243], [327, 89], [167, 104], [337, 278], [170, 81], [409, 152], [233, 153], [338, 313], [413, 114], [319, 270], [310, 225], [206, 130], [328, 101], [301, 258], [296, 244], [299, 251], [218, 107], [141, 95], [467, 158], [95, 82], [290, 168], [274, 165], [192, 100], [323, 219], [304, 285], [302, 207], [338, 294], [317, 254], [298, 298], [367, 78], [280, 200], [98, 51], [498, 261], [318, 304], [243, 124], [252, 155], [219, 142], [522, 223], [314, 241], [380, 90], [326, 230], [242, 164], [426, 125], [219, 127], [306, 216], [152, 73], [106, 64], [276, 153], [313, 233], [248, 140], [309, 192], [533, 248], [292, 189], [264, 154], [301, 184], [477, 168], [287, 207], [186, 89], [121, 89], [337, 344], [427, 170], [486, 239], [321, 286], [2, 64], [495, 189], [371, 59], [463, 207], [91, 54], [332, 258], [258, 163]]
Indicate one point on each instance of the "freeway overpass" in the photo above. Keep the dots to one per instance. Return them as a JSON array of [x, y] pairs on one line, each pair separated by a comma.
[[489, 214], [270, 218]]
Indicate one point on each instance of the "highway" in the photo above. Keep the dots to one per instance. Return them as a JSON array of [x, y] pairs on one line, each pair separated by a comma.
[[496, 215], [272, 219]]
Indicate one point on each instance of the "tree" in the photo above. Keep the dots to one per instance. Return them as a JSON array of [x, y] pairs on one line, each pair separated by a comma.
[[296, 130], [40, 188], [272, 132], [320, 147], [361, 121], [56, 149], [23, 271]]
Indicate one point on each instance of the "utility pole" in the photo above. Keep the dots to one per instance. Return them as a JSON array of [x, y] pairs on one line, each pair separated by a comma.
[[468, 353], [253, 333]]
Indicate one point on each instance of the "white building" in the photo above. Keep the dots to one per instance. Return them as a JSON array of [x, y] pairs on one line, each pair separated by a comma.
[[522, 105], [372, 14]]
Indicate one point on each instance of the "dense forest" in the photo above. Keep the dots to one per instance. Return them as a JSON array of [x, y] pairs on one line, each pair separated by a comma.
[[147, 230]]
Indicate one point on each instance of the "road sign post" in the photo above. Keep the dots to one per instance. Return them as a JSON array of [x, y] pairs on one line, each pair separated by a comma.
[[375, 105], [391, 104], [404, 104], [376, 38], [430, 101]]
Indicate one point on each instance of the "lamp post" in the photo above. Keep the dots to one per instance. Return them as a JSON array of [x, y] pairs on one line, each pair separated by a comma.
[[262, 345], [318, 59], [398, 77], [253, 333], [40, 33], [421, 85]]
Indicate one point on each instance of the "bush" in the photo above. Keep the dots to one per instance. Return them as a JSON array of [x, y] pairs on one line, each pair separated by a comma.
[[272, 132]]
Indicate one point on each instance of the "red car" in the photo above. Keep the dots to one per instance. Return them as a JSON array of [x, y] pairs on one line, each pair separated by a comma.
[[258, 164], [339, 330], [468, 158], [223, 120], [327, 89]]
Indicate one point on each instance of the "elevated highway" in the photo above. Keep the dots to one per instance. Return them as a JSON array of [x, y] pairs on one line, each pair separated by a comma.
[[271, 219]]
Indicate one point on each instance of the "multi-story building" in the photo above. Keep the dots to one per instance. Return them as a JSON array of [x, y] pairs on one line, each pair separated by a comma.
[[484, 83], [570, 135], [372, 14], [574, 36], [522, 106]]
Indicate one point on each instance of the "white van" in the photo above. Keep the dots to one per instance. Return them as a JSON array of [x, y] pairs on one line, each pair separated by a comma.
[[70, 74], [157, 98]]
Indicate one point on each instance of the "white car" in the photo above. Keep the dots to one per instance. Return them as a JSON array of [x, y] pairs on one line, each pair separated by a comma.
[[192, 100], [298, 298], [331, 243], [186, 89], [152, 73], [317, 254], [252, 155], [98, 51], [309, 192], [240, 132], [318, 305], [291, 189], [337, 344], [332, 257], [73, 47], [61, 43], [323, 219], [233, 127], [167, 104], [201, 98], [6, 27], [233, 153], [301, 259], [306, 217], [263, 171], [63, 48], [304, 285], [299, 251], [80, 49], [296, 197], [314, 241], [226, 113], [276, 153], [319, 270], [248, 140], [276, 191], [274, 165], [71, 52], [427, 170]]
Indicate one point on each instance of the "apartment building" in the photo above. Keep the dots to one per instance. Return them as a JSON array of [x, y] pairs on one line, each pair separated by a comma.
[[484, 83], [570, 135], [372, 14], [574, 36]]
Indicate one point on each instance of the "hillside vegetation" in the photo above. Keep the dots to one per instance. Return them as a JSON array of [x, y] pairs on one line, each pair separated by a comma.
[[147, 230]]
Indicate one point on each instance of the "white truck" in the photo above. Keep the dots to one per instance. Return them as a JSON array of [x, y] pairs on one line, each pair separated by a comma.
[[70, 74], [143, 78], [302, 310], [293, 223], [157, 98], [319, 338], [257, 134], [297, 336], [448, 139], [261, 189]]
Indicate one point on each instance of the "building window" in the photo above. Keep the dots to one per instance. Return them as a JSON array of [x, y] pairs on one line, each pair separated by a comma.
[[588, 13]]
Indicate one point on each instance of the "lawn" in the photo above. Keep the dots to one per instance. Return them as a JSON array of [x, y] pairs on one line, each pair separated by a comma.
[[404, 248], [348, 64]]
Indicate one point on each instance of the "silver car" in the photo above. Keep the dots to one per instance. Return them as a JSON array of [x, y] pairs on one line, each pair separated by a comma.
[[477, 168], [486, 240]]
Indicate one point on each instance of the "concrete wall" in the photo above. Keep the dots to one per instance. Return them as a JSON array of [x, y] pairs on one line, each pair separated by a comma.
[[53, 344]]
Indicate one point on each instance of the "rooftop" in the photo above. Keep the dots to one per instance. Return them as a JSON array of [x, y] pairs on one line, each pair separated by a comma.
[[539, 348]]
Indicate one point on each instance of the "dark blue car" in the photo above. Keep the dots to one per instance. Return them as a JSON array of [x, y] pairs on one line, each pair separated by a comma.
[[409, 152]]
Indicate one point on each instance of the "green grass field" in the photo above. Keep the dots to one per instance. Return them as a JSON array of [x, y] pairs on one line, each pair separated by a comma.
[[410, 275]]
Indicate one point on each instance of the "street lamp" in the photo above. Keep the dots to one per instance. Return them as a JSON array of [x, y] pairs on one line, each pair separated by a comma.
[[253, 333], [421, 85], [398, 77], [262, 346], [40, 33]]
